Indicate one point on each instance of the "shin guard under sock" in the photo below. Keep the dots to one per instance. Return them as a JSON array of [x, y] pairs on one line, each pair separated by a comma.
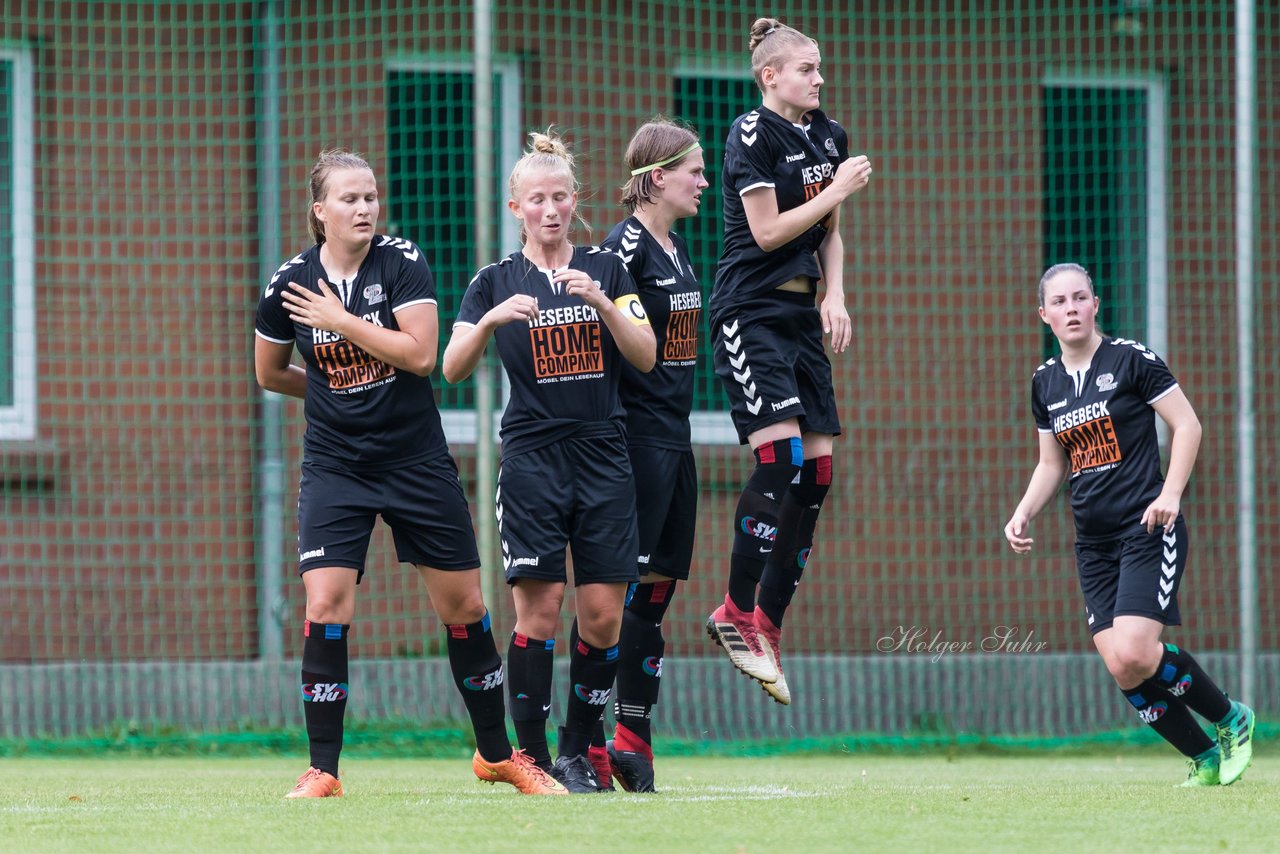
[[1182, 677], [1168, 716], [639, 674], [756, 517], [529, 675], [591, 675], [324, 691], [797, 520], [477, 671]]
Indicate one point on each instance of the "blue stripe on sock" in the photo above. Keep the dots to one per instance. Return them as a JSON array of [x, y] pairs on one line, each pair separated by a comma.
[[611, 653], [551, 644], [1137, 700], [797, 452], [1168, 673], [333, 631], [484, 622]]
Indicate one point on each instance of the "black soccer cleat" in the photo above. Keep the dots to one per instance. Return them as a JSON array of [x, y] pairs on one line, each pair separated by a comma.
[[632, 770], [576, 774]]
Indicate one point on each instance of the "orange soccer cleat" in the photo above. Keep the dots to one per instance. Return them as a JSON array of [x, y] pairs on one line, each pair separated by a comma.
[[317, 784], [519, 771]]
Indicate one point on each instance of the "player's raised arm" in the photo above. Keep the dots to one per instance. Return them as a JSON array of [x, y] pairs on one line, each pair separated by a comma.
[[469, 340], [625, 317], [360, 308]]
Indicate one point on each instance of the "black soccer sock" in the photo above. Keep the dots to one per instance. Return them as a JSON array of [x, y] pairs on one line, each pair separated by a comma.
[[598, 738], [477, 671], [1168, 716], [650, 600], [640, 655], [639, 674], [591, 675], [529, 675], [1182, 677], [756, 517], [324, 690], [797, 520]]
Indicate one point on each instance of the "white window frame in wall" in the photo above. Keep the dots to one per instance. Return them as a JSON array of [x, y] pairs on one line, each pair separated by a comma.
[[1157, 219], [460, 424], [1156, 89], [710, 426], [18, 421]]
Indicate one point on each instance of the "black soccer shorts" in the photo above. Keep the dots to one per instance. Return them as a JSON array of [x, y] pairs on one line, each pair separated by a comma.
[[578, 493], [1134, 575], [422, 503], [666, 509], [769, 354]]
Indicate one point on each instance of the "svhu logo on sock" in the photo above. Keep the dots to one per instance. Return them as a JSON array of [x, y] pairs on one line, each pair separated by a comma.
[[487, 682], [592, 697], [1153, 714], [324, 692]]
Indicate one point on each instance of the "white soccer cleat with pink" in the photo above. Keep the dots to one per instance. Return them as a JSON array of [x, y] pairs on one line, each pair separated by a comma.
[[736, 634]]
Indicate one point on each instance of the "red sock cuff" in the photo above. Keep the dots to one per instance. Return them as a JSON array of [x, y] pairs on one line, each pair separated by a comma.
[[625, 739]]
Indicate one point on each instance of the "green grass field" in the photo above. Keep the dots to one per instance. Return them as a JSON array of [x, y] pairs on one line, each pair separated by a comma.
[[784, 804]]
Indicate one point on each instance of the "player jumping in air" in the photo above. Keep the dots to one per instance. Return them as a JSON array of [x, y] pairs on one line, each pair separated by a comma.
[[787, 170]]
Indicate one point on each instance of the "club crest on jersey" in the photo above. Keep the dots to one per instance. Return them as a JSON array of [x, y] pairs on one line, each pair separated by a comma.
[[830, 145], [1106, 382], [374, 295]]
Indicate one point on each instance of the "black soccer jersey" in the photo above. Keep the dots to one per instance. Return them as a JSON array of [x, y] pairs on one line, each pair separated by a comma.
[[1103, 419], [565, 367], [658, 403], [359, 409], [766, 150]]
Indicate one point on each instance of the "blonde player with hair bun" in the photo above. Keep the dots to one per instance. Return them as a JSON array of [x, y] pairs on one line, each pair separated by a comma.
[[564, 319]]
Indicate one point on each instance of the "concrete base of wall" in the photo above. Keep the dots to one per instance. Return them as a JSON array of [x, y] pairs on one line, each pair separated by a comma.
[[702, 698]]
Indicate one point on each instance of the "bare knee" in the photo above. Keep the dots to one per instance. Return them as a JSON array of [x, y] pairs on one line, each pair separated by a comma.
[[1130, 662], [600, 613], [460, 607], [331, 595], [538, 608], [600, 630], [455, 595], [329, 610]]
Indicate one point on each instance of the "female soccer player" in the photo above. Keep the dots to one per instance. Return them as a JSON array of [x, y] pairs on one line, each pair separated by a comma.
[[786, 171], [564, 318], [666, 184], [361, 309], [1095, 408]]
